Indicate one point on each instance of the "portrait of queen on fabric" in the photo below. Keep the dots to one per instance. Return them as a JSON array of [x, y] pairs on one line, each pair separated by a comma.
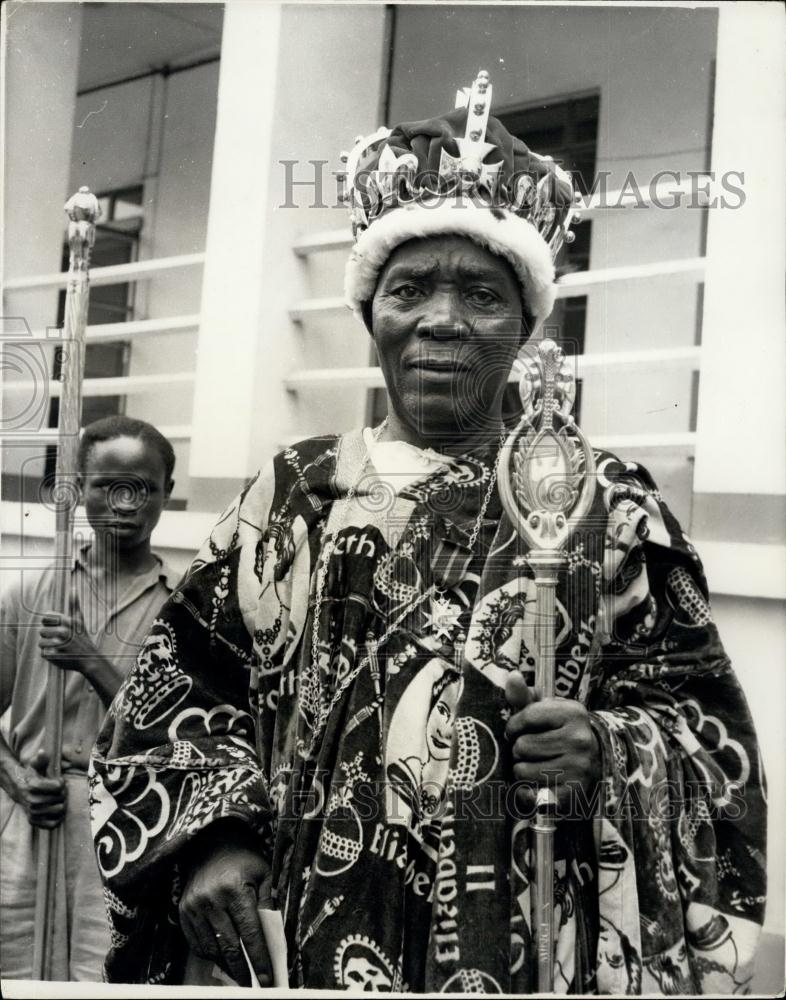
[[417, 751]]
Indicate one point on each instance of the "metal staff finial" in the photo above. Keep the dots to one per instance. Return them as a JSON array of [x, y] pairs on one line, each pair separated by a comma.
[[83, 211], [547, 484]]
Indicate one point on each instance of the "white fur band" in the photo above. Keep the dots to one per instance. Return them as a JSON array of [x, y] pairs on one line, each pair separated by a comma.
[[497, 229]]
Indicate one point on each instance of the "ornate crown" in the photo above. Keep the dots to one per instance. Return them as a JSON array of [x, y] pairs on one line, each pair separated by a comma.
[[384, 171]]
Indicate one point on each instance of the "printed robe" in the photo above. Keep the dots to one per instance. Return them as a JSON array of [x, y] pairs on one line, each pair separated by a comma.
[[399, 856]]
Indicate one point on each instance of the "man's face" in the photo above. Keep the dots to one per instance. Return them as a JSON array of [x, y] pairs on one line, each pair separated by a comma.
[[124, 487], [447, 324]]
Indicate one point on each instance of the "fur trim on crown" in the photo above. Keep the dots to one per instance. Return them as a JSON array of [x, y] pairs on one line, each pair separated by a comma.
[[498, 229]]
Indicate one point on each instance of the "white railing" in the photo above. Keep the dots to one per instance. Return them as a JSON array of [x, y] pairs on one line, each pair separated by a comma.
[[684, 441], [568, 285], [571, 284], [338, 239], [123, 385], [109, 332], [318, 307], [104, 332], [699, 189], [686, 358], [138, 270], [665, 193], [130, 330], [177, 529], [371, 377], [48, 435]]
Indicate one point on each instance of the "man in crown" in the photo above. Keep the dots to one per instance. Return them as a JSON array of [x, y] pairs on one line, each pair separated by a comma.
[[334, 713]]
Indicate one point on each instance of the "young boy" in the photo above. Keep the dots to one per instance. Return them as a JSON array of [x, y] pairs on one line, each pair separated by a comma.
[[117, 586]]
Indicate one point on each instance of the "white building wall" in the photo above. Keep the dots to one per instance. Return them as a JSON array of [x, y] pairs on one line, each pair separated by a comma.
[[341, 80], [41, 65], [109, 142], [42, 44]]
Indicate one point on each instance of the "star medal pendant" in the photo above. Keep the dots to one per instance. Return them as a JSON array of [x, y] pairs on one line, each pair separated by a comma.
[[444, 616]]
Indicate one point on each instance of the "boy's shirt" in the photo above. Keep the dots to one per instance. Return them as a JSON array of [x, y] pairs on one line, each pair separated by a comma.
[[116, 623]]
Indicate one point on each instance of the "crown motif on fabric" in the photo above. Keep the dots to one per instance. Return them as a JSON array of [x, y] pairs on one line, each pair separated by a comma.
[[484, 163]]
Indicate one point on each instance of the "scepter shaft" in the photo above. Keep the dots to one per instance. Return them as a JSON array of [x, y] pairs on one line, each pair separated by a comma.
[[546, 566], [547, 482], [83, 212]]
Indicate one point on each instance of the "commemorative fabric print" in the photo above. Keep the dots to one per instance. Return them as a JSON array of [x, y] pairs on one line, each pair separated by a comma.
[[380, 781]]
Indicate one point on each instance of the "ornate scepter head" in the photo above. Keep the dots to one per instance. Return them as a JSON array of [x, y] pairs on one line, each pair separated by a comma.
[[547, 470]]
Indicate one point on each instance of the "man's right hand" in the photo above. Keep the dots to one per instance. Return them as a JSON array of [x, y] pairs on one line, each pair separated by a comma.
[[43, 799], [226, 880]]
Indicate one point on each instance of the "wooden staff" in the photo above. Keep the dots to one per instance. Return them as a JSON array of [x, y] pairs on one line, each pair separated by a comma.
[[83, 211], [546, 482]]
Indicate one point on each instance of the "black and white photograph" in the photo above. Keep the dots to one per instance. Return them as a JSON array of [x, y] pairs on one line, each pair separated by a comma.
[[392, 498]]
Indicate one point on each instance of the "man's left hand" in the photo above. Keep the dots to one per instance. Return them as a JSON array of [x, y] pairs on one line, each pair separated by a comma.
[[64, 642], [553, 744]]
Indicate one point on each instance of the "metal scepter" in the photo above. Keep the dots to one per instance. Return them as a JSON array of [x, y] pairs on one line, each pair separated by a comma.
[[546, 484], [83, 211]]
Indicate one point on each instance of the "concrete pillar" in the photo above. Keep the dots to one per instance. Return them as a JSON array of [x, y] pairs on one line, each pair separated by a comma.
[[273, 108], [233, 291], [740, 473], [742, 403]]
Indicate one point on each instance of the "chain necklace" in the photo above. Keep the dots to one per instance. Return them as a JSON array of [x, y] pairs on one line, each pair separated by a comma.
[[373, 645]]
